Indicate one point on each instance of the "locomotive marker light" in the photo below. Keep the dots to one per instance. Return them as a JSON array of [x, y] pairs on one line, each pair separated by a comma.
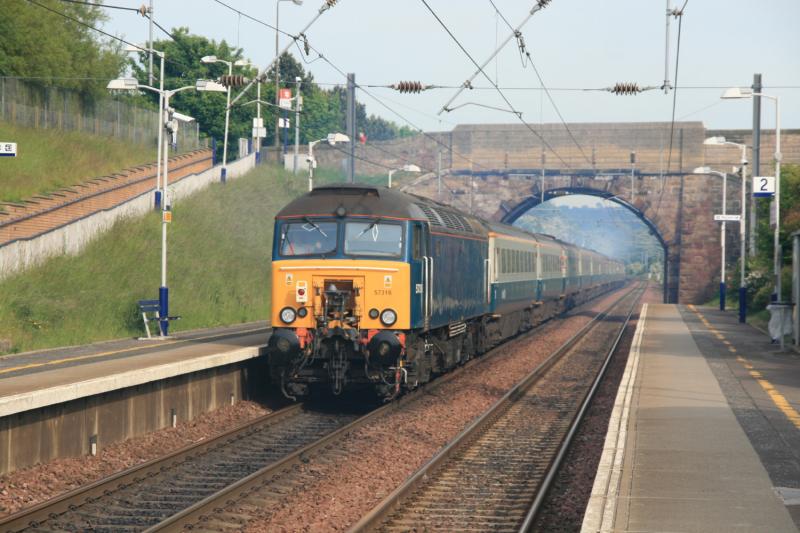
[[332, 139], [404, 168], [720, 141]]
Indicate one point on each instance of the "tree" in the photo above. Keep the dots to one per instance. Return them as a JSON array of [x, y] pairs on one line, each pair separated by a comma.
[[47, 49], [323, 109]]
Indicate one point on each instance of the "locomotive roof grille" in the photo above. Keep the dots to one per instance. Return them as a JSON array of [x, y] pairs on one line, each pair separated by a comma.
[[433, 216], [445, 218]]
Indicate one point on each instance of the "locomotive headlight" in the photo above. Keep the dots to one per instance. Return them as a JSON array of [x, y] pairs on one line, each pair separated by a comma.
[[288, 315], [388, 317]]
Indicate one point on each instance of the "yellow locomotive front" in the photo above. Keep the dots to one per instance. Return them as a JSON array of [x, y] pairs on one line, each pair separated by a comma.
[[341, 286]]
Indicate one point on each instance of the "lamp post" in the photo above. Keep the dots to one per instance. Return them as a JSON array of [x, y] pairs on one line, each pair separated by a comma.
[[741, 92], [168, 122], [404, 168], [258, 124], [720, 141], [135, 48], [331, 139], [722, 283], [214, 59], [298, 104], [278, 67]]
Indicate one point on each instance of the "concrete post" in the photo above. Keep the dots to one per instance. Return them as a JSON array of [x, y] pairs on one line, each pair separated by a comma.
[[796, 286], [756, 158], [351, 127]]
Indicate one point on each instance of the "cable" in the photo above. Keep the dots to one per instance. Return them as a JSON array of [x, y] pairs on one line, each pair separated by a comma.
[[718, 101], [502, 95], [258, 21], [524, 51], [675, 91], [92, 4], [89, 26], [82, 23]]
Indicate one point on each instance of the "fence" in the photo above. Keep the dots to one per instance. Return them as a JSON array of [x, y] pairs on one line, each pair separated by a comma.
[[54, 108]]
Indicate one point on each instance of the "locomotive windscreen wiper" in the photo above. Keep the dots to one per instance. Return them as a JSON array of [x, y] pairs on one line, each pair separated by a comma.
[[368, 228], [313, 225]]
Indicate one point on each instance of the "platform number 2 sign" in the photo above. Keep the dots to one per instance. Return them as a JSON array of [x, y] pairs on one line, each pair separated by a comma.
[[764, 186]]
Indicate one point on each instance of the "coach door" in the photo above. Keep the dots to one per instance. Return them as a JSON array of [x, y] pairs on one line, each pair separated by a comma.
[[422, 274]]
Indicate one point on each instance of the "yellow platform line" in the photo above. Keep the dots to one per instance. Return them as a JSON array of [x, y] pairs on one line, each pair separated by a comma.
[[777, 398], [110, 353]]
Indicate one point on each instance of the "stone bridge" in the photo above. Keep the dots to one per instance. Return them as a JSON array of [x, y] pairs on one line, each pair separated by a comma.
[[495, 171]]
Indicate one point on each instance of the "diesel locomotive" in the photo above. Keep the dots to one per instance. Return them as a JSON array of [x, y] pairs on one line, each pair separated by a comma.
[[375, 287]]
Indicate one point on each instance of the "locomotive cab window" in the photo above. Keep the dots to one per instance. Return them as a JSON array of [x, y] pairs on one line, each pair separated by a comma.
[[373, 238], [308, 238]]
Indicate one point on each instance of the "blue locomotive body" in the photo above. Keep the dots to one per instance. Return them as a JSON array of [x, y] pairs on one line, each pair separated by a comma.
[[470, 284]]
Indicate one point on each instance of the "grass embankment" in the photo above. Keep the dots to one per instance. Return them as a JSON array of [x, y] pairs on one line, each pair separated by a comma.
[[50, 159], [219, 259]]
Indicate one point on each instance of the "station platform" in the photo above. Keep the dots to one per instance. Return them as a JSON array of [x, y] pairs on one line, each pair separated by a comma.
[[38, 379], [705, 432]]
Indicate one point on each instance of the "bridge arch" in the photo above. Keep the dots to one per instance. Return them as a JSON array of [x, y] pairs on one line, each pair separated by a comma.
[[526, 204]]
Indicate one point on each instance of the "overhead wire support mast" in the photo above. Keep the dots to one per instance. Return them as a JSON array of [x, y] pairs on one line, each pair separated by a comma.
[[300, 36], [540, 4]]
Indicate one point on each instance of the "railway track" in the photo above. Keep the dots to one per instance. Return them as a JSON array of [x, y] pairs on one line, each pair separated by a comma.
[[152, 492], [215, 485], [495, 474]]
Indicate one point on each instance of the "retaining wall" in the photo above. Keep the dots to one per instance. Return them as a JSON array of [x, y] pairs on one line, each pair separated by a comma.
[[72, 237]]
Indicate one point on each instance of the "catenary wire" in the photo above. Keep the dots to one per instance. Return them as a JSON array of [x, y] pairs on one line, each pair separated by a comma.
[[489, 79], [524, 51], [362, 87]]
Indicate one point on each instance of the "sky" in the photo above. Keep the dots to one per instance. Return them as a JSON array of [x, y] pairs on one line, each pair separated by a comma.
[[575, 44]]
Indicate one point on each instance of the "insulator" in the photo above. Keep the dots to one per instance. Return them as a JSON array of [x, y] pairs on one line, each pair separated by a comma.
[[331, 3], [626, 88], [143, 10], [543, 3], [235, 80], [409, 87]]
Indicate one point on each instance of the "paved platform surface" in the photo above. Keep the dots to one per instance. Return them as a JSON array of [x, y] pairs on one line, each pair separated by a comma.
[[701, 439], [35, 379]]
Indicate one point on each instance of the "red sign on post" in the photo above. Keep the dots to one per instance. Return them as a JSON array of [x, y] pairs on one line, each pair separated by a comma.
[[285, 98]]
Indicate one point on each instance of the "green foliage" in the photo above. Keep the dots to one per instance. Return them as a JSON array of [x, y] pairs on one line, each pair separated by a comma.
[[323, 109], [50, 159], [220, 245], [760, 278], [40, 44]]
